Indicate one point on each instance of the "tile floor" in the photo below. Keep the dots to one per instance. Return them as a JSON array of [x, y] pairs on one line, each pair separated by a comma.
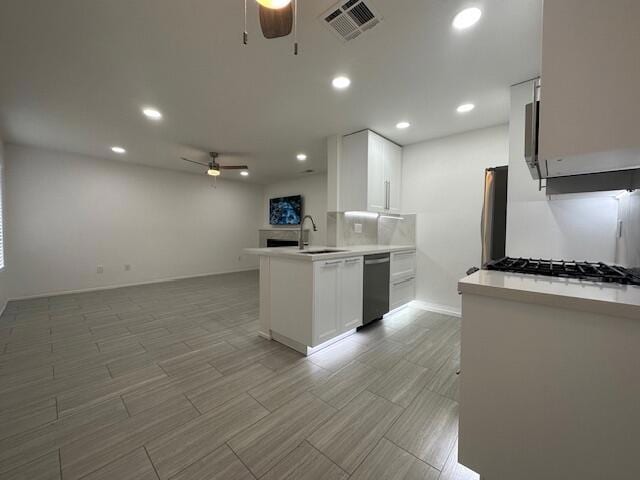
[[170, 381]]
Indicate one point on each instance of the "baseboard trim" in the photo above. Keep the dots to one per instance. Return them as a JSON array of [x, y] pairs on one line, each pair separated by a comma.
[[124, 285], [434, 307]]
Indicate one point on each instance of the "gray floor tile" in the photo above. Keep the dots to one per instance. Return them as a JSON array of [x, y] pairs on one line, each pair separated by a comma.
[[182, 446], [133, 466], [389, 462], [344, 385], [349, 436], [221, 464], [105, 445], [384, 355], [306, 463], [46, 467], [27, 417], [428, 428], [153, 394], [220, 391], [287, 385], [197, 337], [339, 355], [25, 447], [402, 383], [266, 443]]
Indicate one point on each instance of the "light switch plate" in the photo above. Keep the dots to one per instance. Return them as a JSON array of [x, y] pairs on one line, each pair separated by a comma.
[[357, 227], [100, 269]]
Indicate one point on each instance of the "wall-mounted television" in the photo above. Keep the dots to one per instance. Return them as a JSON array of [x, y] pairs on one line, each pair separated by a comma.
[[285, 210]]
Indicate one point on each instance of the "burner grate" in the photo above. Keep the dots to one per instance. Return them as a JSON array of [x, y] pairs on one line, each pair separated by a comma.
[[593, 271]]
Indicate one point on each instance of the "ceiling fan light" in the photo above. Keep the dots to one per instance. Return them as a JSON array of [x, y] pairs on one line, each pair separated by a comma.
[[213, 172], [274, 4]]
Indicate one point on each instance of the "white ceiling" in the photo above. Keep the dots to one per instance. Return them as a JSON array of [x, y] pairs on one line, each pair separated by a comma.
[[75, 74]]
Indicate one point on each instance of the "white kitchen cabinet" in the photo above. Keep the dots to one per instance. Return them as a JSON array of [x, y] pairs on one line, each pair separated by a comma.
[[402, 278], [403, 264], [402, 292], [370, 174], [351, 294], [589, 87], [337, 298], [326, 308]]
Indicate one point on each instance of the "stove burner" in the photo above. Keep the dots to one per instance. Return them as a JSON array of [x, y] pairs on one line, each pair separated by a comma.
[[595, 272]]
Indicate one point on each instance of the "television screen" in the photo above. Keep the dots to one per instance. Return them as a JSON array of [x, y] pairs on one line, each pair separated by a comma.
[[285, 210]]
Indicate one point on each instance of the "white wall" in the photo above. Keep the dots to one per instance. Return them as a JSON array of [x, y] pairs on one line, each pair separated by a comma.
[[443, 183], [4, 276], [314, 190], [67, 214], [580, 227]]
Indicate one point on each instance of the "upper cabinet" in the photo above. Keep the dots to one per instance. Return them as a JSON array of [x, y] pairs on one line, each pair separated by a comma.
[[590, 87], [370, 174]]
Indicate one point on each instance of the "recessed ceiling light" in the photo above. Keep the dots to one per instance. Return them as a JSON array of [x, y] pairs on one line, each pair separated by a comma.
[[467, 18], [341, 82], [301, 156], [403, 125], [152, 113], [465, 108], [119, 150], [244, 173]]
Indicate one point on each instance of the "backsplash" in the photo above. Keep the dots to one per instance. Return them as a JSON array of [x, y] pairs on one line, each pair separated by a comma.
[[375, 229]]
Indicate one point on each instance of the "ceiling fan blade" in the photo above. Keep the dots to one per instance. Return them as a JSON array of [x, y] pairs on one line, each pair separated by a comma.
[[276, 22], [193, 161], [234, 167]]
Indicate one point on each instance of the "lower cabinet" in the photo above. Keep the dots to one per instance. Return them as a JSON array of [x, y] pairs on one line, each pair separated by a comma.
[[402, 292], [402, 278], [337, 299]]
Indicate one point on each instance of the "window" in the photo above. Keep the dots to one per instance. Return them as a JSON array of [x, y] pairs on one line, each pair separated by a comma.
[[1, 222]]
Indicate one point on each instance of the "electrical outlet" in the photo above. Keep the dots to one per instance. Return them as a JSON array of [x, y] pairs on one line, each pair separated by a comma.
[[357, 227], [127, 267], [100, 269]]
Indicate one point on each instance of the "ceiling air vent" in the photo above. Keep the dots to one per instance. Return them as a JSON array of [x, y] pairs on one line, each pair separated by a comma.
[[350, 19]]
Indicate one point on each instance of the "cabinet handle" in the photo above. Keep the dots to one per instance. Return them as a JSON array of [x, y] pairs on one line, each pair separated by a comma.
[[389, 195], [352, 260], [387, 189], [404, 281], [400, 254], [333, 263]]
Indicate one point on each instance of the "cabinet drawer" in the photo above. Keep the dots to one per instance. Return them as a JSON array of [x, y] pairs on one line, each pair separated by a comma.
[[401, 292], [403, 264]]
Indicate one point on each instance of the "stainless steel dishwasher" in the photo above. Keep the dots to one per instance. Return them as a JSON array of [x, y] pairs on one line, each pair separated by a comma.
[[375, 297]]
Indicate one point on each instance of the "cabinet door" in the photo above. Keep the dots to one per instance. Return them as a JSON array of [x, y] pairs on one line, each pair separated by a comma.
[[393, 175], [590, 79], [402, 292], [326, 305], [351, 293], [403, 264], [376, 195]]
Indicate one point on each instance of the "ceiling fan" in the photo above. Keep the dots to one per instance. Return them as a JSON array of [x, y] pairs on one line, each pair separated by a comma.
[[277, 19], [213, 167]]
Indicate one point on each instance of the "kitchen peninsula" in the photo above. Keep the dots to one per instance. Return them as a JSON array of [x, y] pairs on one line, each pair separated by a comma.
[[549, 383], [313, 297]]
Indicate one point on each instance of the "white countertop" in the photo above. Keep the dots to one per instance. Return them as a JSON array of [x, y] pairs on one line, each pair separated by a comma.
[[339, 252], [597, 297]]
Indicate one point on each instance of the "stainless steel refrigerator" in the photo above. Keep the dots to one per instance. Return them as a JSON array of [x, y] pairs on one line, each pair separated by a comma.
[[493, 225]]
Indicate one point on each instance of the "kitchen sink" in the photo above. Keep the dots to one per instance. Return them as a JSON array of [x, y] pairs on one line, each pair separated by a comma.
[[316, 252]]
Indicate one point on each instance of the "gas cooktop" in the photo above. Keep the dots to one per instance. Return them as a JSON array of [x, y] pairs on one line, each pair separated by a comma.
[[595, 272]]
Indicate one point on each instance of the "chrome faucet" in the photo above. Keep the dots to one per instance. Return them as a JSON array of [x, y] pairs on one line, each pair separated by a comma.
[[301, 239]]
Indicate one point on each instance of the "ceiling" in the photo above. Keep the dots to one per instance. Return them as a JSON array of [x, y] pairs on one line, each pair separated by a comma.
[[75, 74]]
